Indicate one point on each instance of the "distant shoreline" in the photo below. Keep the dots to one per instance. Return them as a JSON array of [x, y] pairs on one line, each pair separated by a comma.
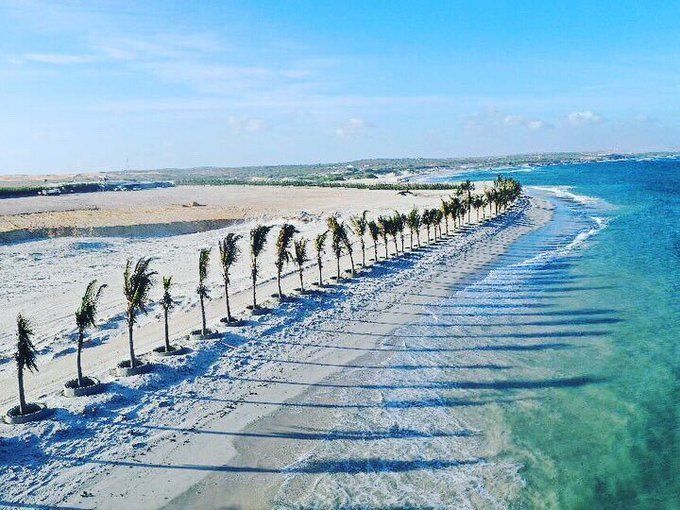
[[359, 173]]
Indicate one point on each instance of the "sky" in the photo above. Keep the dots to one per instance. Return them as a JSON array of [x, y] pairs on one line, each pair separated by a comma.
[[103, 85]]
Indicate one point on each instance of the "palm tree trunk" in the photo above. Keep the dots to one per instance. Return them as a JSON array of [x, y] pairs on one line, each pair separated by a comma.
[[411, 240], [203, 328], [318, 262], [337, 260], [375, 249], [22, 396], [302, 285], [167, 333], [446, 222], [418, 237], [351, 261], [278, 281], [78, 358], [253, 274], [387, 253], [226, 300], [396, 246], [133, 361], [363, 253], [402, 242]]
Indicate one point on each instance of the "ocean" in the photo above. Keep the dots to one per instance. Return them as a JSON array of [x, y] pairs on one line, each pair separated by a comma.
[[598, 291]]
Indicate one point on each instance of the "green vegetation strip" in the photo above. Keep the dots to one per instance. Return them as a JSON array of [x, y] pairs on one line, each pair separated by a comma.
[[320, 184]]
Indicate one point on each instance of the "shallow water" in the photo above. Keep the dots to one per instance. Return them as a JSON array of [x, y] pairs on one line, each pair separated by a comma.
[[610, 301], [556, 379]]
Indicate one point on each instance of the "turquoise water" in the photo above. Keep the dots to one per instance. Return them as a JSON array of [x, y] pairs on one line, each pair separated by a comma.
[[615, 441]]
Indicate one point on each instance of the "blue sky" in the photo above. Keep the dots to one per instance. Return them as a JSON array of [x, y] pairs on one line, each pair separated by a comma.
[[87, 85]]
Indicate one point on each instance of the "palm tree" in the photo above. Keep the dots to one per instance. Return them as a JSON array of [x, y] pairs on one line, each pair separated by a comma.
[[283, 256], [167, 302], [489, 194], [319, 246], [229, 252], [438, 216], [137, 283], [337, 240], [85, 318], [456, 209], [413, 224], [468, 187], [427, 221], [394, 231], [446, 208], [258, 238], [25, 357], [505, 191], [300, 255], [374, 230], [359, 226], [399, 222], [202, 289], [348, 246], [384, 222], [478, 202]]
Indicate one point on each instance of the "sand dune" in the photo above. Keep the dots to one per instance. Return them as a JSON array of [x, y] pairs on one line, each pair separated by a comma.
[[23, 218]]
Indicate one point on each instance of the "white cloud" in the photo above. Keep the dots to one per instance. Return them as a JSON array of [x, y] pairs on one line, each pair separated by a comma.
[[354, 127], [514, 120], [245, 125], [583, 118], [58, 59], [535, 125], [492, 118], [160, 46]]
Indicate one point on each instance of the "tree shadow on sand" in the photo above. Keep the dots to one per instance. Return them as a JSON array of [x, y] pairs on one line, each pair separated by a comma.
[[346, 466]]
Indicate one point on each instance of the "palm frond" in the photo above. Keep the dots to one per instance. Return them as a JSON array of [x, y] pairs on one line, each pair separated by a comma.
[[320, 242], [137, 283], [87, 311], [386, 225], [203, 260], [397, 222], [339, 237], [300, 249], [283, 241], [359, 224], [258, 239], [167, 301], [374, 230], [26, 354], [413, 219], [229, 252]]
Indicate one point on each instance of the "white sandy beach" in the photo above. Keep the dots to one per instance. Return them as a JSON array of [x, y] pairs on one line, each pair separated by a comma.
[[150, 216], [201, 429]]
